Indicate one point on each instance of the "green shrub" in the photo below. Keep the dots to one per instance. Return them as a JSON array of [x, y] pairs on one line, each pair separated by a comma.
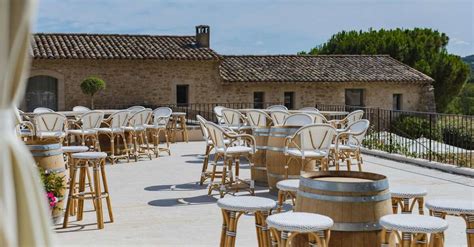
[[415, 127], [458, 137], [91, 86]]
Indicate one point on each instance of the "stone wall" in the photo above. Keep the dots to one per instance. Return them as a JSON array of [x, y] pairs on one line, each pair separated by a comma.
[[152, 82]]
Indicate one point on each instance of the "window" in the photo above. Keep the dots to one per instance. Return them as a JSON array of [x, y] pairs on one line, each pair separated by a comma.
[[258, 99], [397, 102], [182, 95], [289, 100], [355, 97], [42, 91]]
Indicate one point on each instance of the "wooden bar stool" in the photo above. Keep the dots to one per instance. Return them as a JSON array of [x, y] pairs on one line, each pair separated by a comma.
[[68, 150], [285, 227], [461, 208], [401, 196], [177, 124], [409, 229], [234, 207], [287, 190], [82, 162]]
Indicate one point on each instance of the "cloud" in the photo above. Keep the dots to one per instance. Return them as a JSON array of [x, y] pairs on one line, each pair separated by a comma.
[[456, 41]]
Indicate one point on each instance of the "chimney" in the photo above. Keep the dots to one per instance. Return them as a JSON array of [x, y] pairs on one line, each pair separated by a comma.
[[202, 36]]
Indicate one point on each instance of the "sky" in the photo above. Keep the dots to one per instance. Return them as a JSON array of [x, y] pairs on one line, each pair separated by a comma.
[[260, 26]]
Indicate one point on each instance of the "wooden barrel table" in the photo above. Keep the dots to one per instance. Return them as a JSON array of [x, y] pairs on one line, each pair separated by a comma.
[[259, 172], [354, 200], [48, 155], [276, 159]]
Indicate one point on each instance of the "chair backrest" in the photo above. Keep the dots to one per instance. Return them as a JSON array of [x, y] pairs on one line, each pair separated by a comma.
[[318, 117], [218, 111], [309, 109], [80, 108], [316, 137], [277, 107], [202, 123], [216, 133], [298, 119], [357, 131], [42, 109], [258, 118], [354, 116], [136, 108], [119, 119], [49, 122], [140, 118], [278, 117], [91, 120], [232, 117], [161, 115]]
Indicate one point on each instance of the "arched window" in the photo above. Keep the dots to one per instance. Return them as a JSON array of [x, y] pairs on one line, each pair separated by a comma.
[[42, 91]]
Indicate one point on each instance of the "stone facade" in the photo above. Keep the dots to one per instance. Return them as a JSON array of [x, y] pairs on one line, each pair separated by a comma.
[[153, 82]]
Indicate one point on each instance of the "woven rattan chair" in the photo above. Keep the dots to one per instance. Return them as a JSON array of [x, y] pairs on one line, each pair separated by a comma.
[[239, 145], [161, 117], [258, 118], [278, 117], [318, 117], [348, 143], [309, 109], [138, 139], [24, 128], [114, 130], [348, 120], [277, 108], [218, 112], [310, 142], [42, 109], [50, 125], [235, 120], [136, 108], [298, 119], [89, 122], [81, 108]]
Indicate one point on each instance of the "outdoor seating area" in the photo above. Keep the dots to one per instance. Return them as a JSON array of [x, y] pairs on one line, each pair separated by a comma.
[[296, 171]]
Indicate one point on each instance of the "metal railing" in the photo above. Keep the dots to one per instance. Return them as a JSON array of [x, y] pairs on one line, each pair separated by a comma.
[[444, 138]]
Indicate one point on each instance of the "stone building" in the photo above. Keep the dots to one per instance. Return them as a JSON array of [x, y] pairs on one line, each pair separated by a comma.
[[153, 70]]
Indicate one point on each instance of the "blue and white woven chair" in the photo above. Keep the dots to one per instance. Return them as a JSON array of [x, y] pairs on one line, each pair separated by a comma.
[[401, 196], [285, 227], [287, 190], [234, 207]]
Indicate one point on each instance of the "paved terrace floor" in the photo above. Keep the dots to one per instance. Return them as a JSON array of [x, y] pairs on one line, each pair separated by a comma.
[[158, 203]]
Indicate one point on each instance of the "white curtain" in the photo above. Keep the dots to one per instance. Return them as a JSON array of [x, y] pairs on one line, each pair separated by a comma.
[[24, 218]]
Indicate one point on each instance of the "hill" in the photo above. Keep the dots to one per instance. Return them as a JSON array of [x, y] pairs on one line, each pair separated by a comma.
[[470, 60]]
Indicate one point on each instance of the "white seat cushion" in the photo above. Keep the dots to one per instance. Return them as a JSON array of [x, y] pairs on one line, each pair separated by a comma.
[[413, 223], [307, 153], [110, 130], [74, 149], [299, 222], [246, 203], [236, 150], [151, 126], [288, 185], [136, 128], [407, 191], [344, 147], [80, 132], [451, 206], [226, 141], [89, 155], [51, 134]]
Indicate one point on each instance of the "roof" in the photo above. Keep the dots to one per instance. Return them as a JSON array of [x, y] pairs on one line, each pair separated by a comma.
[[319, 68], [118, 46]]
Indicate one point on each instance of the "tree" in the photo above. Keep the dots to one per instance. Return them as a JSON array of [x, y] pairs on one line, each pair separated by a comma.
[[91, 86], [421, 48]]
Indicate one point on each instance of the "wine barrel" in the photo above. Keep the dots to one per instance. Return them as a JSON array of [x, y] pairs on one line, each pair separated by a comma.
[[259, 171], [48, 155], [276, 159], [354, 200]]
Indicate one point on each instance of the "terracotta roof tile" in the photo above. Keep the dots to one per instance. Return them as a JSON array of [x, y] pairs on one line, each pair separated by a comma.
[[118, 46], [321, 68]]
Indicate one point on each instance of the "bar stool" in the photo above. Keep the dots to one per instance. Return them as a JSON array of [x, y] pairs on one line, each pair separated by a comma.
[[287, 189], [233, 207], [68, 150], [408, 228], [401, 196], [177, 123], [82, 162], [462, 208], [291, 224]]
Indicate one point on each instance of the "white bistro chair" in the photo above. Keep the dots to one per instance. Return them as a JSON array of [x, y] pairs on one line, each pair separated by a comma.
[[136, 108], [298, 119], [114, 130], [218, 112], [50, 125], [348, 143], [278, 117], [136, 129], [42, 109], [309, 109], [81, 108], [258, 118], [277, 107], [161, 117], [89, 122], [348, 120], [234, 120]]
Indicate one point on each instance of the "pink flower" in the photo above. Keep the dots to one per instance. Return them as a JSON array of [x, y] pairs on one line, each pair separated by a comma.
[[51, 199]]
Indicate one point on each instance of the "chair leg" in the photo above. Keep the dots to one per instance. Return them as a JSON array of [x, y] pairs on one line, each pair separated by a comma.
[[125, 144], [147, 145], [80, 201], [112, 147], [204, 165], [281, 199], [348, 162], [70, 199], [213, 175], [97, 196], [106, 190]]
